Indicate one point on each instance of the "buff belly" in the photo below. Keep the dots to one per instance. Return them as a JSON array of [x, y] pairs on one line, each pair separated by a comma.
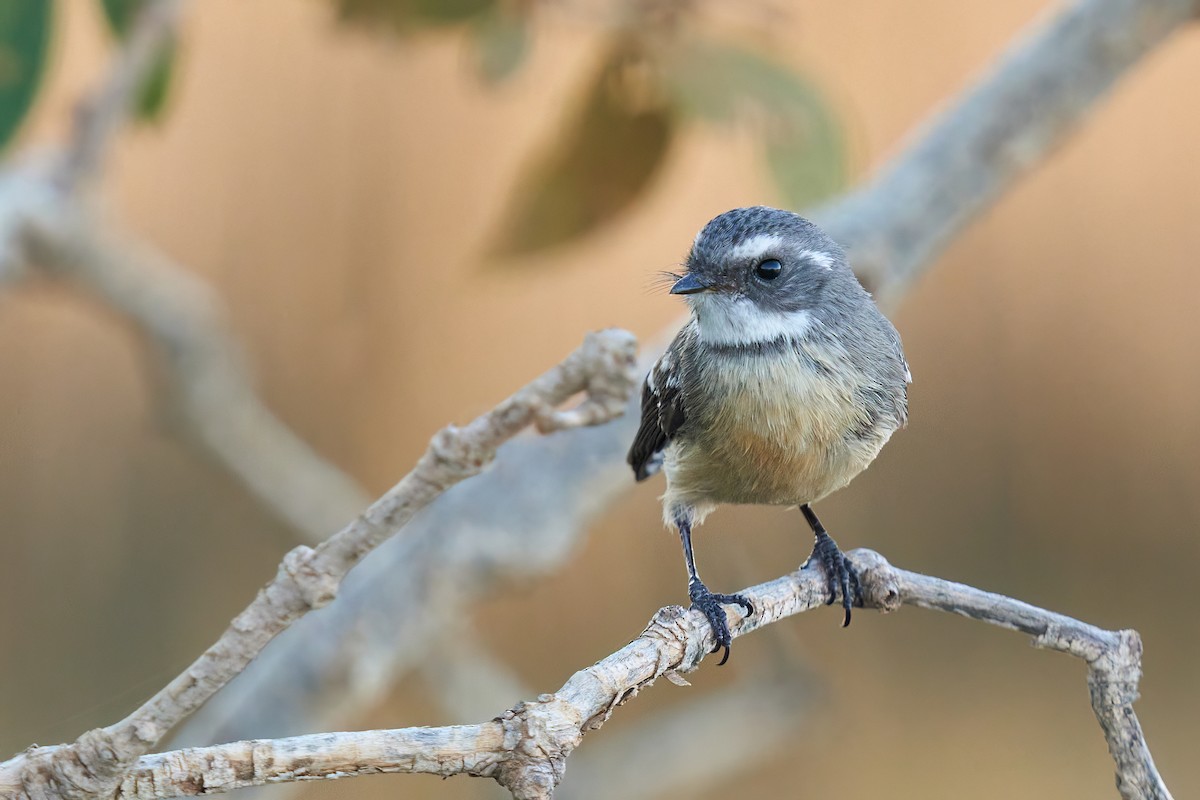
[[773, 431]]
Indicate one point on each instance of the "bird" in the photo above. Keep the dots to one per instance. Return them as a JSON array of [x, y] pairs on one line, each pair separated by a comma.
[[783, 385]]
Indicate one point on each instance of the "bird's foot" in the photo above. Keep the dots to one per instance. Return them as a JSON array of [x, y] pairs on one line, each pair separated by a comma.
[[710, 604], [840, 576]]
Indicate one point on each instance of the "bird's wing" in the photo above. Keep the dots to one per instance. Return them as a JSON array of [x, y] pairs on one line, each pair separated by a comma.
[[902, 406], [662, 410]]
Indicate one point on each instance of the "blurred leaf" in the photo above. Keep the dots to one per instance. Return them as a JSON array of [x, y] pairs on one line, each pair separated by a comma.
[[501, 43], [403, 15], [727, 83], [807, 163], [603, 160], [24, 41], [121, 14], [152, 95]]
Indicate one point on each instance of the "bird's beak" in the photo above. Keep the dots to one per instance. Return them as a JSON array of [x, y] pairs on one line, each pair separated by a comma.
[[689, 285]]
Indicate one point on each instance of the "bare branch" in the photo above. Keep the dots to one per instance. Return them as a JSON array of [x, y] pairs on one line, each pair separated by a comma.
[[656, 753], [526, 748], [1114, 658], [894, 227], [308, 578]]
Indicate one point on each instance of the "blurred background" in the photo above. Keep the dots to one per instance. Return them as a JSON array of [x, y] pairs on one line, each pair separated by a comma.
[[410, 209]]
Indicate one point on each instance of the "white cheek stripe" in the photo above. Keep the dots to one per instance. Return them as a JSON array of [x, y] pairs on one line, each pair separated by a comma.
[[754, 247], [728, 321]]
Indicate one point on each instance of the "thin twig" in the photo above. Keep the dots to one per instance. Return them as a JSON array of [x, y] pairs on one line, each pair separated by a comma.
[[526, 748], [308, 578]]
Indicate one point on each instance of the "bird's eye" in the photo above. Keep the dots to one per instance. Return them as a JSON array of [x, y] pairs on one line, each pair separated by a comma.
[[769, 270]]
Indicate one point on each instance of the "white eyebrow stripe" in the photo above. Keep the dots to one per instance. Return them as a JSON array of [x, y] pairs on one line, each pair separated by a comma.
[[755, 246], [817, 257]]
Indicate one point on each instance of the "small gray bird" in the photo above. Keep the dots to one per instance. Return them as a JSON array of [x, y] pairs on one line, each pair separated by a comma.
[[785, 384]]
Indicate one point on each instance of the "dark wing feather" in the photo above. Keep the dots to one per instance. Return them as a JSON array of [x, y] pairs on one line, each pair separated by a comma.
[[662, 412]]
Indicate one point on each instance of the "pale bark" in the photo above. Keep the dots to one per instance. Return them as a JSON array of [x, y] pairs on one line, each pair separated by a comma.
[[527, 747], [602, 369], [524, 518]]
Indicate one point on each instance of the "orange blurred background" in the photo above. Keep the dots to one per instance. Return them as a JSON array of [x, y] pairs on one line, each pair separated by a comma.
[[338, 189]]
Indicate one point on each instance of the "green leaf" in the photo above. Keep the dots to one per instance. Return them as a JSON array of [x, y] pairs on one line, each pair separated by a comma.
[[501, 43], [403, 15], [152, 95], [603, 161], [726, 83], [806, 161], [121, 14], [24, 43]]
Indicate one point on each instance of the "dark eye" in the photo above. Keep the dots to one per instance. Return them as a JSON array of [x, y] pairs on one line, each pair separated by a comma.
[[769, 270]]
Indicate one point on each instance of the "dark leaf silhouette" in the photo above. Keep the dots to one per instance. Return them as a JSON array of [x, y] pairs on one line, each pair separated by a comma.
[[602, 161], [402, 16]]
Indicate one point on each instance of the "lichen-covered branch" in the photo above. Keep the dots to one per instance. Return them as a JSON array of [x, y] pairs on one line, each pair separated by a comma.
[[1025, 106], [602, 369], [526, 748]]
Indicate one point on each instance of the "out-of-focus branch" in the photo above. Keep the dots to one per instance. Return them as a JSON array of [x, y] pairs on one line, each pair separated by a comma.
[[308, 578], [214, 404], [525, 519], [466, 678], [526, 748], [1027, 104]]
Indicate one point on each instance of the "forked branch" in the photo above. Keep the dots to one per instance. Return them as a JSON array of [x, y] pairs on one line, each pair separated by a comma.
[[603, 369], [526, 748]]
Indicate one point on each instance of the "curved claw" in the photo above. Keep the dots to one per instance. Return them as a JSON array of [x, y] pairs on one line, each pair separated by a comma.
[[736, 600], [840, 575], [710, 604]]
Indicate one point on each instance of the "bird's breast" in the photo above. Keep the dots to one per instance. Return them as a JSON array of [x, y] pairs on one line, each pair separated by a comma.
[[774, 427]]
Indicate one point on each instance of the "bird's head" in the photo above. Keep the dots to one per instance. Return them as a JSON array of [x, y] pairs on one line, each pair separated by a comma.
[[757, 274]]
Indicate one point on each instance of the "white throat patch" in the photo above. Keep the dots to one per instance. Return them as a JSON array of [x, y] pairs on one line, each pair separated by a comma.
[[726, 320]]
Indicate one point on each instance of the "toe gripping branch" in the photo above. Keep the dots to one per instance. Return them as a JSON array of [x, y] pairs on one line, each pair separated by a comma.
[[840, 576], [711, 605]]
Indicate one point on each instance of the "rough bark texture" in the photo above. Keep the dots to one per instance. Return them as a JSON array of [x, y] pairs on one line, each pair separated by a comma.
[[893, 227], [526, 748], [603, 369]]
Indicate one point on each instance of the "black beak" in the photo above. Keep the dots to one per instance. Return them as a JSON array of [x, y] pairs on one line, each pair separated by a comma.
[[689, 285]]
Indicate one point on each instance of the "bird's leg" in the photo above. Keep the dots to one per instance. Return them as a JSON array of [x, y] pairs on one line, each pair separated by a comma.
[[840, 574], [708, 602]]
